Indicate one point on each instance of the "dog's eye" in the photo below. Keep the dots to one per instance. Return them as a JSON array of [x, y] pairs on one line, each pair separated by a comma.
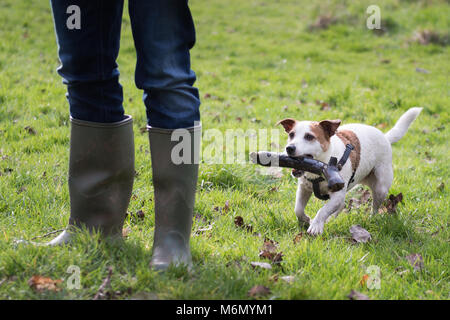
[[309, 137], [291, 134]]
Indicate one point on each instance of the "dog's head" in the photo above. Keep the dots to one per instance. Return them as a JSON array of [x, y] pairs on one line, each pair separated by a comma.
[[309, 138]]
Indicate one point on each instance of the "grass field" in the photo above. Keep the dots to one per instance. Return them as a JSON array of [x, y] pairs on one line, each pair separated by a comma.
[[256, 62]]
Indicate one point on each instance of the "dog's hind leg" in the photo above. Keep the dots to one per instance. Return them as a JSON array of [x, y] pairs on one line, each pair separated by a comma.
[[379, 182], [303, 195]]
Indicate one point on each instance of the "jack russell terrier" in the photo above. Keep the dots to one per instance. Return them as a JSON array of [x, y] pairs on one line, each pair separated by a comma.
[[370, 156]]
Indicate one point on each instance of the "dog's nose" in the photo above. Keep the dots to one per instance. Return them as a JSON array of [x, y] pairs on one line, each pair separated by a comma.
[[290, 150]]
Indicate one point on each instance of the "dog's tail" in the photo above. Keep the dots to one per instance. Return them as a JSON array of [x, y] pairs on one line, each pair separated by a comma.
[[402, 125]]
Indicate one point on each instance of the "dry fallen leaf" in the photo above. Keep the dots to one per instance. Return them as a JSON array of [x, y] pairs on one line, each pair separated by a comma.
[[258, 291], [143, 129], [364, 198], [298, 237], [390, 205], [239, 222], [355, 295], [41, 283], [359, 234], [322, 22], [30, 130], [363, 280], [125, 232], [226, 207], [268, 250], [425, 37], [416, 260]]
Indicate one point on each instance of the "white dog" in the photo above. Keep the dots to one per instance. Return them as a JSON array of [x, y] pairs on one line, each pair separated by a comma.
[[370, 161]]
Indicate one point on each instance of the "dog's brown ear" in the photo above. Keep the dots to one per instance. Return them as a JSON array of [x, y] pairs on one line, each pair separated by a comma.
[[287, 124], [330, 126]]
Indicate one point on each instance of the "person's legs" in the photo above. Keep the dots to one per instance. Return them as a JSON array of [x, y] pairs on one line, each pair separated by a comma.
[[101, 166], [164, 33], [88, 57]]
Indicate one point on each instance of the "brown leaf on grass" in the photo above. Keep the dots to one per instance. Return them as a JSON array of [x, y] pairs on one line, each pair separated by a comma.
[[226, 207], [359, 234], [426, 37], [322, 22], [258, 291], [390, 205], [223, 209], [298, 237], [363, 198], [355, 295], [278, 257], [239, 222], [143, 129], [30, 130], [274, 278], [363, 280], [269, 251], [416, 260], [139, 214], [324, 106], [125, 232], [40, 283]]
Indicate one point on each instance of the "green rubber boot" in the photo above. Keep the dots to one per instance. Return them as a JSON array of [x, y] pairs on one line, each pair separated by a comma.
[[174, 181], [101, 173]]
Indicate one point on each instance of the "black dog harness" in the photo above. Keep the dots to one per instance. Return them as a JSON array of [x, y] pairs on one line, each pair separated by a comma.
[[316, 182]]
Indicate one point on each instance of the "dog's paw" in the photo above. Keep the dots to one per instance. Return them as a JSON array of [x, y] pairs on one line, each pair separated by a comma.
[[303, 221], [316, 228], [296, 173]]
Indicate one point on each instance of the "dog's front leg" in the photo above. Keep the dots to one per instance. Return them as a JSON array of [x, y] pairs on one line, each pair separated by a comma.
[[303, 195], [334, 205]]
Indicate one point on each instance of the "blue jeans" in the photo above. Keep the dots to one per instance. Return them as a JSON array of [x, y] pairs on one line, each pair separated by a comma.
[[163, 33]]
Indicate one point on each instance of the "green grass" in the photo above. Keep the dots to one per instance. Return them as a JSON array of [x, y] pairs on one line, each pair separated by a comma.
[[252, 58]]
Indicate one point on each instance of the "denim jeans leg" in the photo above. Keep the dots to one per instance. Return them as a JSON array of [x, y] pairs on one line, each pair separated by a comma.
[[163, 34], [88, 57]]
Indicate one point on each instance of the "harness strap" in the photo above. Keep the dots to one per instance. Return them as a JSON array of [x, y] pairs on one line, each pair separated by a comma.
[[316, 182], [316, 188], [343, 160]]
